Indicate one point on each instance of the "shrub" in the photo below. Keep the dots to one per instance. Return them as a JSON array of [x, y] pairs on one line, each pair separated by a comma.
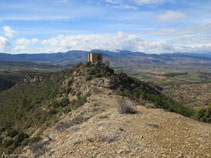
[[2, 130], [88, 78], [69, 89], [98, 75], [108, 73], [78, 65], [38, 148], [126, 107], [34, 140], [12, 133], [1, 139], [78, 120], [108, 138], [25, 142], [20, 138], [52, 111], [67, 109], [76, 103], [95, 104], [8, 143], [91, 72], [70, 83], [54, 103], [204, 115], [64, 102], [61, 127]]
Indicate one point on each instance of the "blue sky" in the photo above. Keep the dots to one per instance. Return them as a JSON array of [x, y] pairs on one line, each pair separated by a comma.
[[150, 26]]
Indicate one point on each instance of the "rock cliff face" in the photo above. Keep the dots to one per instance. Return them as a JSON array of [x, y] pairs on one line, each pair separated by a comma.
[[100, 129]]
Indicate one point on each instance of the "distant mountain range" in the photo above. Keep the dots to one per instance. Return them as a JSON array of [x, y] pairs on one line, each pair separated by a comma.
[[119, 60], [77, 55]]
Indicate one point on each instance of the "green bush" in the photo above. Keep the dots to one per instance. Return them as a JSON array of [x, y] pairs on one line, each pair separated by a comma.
[[8, 143], [23, 105], [64, 102], [2, 130], [20, 138], [88, 78], [1, 139], [204, 114], [69, 89], [25, 142], [78, 65], [91, 72], [53, 111], [95, 104], [76, 103], [12, 133], [54, 103], [126, 107], [98, 75], [70, 83], [67, 109], [34, 140]]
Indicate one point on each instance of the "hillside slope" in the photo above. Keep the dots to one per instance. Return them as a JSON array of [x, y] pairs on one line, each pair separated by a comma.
[[100, 128], [102, 132], [48, 113]]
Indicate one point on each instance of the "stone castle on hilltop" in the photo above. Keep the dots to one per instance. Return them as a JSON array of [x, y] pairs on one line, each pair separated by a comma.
[[96, 58]]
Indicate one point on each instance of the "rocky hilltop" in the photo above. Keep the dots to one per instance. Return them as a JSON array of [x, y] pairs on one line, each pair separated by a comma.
[[91, 111]]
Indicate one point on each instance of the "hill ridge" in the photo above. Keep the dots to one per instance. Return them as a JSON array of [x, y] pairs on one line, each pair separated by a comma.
[[45, 101]]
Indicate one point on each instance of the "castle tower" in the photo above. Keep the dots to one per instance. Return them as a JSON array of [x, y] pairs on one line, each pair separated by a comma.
[[95, 58]]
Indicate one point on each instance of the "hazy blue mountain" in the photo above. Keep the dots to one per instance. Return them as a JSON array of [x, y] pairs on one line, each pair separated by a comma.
[[122, 60], [77, 56]]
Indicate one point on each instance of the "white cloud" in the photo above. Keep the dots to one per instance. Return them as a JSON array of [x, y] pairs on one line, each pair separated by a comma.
[[195, 49], [193, 40], [113, 1], [35, 18], [120, 4], [8, 32], [141, 2], [23, 45], [171, 16], [24, 41], [34, 40], [188, 30], [112, 42], [125, 41], [21, 49], [4, 44], [124, 6]]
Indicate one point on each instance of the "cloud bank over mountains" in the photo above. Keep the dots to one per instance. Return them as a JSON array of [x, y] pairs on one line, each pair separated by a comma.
[[4, 44], [113, 42]]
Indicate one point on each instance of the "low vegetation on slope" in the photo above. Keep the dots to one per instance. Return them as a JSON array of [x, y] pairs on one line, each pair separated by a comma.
[[24, 108], [144, 93], [39, 100], [203, 114], [5, 84], [9, 79]]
